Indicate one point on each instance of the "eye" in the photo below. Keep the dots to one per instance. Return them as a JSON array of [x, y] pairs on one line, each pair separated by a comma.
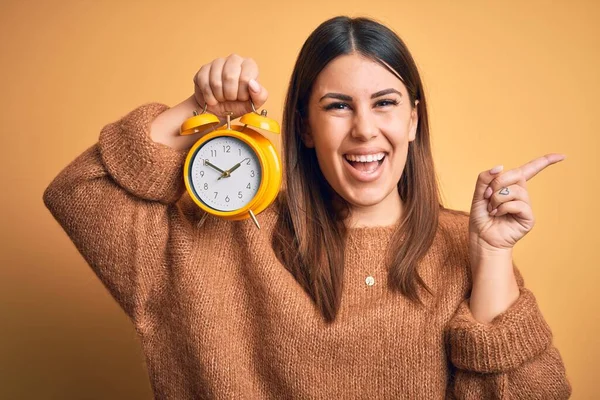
[[386, 103], [337, 106]]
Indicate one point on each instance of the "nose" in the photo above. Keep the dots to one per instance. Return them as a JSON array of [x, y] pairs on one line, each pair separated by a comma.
[[364, 127]]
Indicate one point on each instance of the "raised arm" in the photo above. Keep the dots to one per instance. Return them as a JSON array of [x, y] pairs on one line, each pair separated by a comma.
[[115, 201]]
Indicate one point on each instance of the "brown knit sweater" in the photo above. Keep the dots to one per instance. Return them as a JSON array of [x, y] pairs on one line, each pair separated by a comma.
[[219, 317]]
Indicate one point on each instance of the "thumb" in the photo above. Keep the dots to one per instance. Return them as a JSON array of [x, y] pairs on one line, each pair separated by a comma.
[[258, 93], [484, 180]]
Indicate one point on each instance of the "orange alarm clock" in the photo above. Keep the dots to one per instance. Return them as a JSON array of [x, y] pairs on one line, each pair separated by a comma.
[[233, 172]]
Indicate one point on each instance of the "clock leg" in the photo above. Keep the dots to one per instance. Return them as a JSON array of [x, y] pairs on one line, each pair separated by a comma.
[[254, 219]]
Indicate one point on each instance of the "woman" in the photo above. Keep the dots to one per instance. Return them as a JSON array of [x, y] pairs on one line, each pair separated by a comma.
[[360, 284]]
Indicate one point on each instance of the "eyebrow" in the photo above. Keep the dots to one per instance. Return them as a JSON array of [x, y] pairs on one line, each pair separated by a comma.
[[345, 97]]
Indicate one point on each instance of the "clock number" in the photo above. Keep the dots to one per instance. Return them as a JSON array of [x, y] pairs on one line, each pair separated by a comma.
[[252, 173], [227, 199], [248, 162], [216, 194], [213, 153], [240, 150], [248, 186], [206, 186], [227, 149], [240, 195], [202, 173]]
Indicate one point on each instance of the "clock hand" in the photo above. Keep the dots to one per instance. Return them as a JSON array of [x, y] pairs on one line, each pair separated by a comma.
[[236, 166], [206, 162], [227, 173]]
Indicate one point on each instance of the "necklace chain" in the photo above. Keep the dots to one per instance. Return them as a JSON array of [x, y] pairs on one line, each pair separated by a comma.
[[369, 280]]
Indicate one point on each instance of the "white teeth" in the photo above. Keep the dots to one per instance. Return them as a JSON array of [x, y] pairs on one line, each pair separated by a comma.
[[365, 158]]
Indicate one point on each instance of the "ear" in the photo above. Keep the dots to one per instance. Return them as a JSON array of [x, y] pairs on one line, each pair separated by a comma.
[[414, 122]]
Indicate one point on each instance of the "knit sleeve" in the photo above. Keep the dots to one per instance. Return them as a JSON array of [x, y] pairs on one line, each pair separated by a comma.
[[115, 202], [144, 168], [513, 337], [512, 357]]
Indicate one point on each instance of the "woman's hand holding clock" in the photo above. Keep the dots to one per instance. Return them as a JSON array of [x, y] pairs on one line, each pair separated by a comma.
[[227, 85], [224, 85], [226, 89]]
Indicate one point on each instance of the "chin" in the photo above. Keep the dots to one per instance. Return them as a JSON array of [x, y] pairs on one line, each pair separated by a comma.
[[367, 197]]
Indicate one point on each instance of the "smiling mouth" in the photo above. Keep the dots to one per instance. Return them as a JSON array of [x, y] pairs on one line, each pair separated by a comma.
[[365, 163]]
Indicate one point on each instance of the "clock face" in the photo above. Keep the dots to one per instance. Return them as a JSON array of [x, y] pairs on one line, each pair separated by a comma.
[[225, 173]]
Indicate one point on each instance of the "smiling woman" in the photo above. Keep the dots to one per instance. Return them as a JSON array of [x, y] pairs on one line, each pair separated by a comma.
[[360, 283], [355, 94]]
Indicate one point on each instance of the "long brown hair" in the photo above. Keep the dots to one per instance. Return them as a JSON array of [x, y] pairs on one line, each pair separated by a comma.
[[310, 234]]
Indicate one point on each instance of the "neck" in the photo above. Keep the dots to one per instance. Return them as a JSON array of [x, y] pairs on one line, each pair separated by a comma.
[[385, 213]]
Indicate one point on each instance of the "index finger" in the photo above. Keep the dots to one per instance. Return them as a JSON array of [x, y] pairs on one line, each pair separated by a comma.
[[248, 72], [534, 167]]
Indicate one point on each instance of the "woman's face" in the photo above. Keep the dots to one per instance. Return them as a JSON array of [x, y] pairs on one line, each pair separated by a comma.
[[360, 121]]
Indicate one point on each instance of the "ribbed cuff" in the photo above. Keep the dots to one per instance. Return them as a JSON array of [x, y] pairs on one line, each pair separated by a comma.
[[146, 169], [517, 335]]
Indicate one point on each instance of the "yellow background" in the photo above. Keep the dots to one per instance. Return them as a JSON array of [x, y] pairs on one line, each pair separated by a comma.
[[506, 82]]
